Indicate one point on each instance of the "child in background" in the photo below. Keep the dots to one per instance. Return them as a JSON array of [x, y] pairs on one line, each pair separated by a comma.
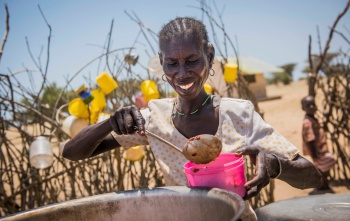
[[315, 143]]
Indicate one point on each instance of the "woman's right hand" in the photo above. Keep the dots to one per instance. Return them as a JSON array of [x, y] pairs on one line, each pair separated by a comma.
[[127, 120]]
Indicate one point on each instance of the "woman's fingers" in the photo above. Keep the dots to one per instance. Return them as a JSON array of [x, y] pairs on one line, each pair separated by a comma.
[[254, 191], [261, 178], [247, 150], [138, 119], [128, 122], [114, 125], [124, 120], [260, 171], [119, 115]]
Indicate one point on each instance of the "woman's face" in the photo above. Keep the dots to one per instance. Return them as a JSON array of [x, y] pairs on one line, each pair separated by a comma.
[[186, 66]]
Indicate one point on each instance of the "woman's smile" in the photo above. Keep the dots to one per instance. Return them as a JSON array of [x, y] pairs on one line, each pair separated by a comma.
[[185, 86]]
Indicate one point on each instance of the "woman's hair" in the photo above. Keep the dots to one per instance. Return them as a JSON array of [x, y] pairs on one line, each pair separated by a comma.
[[184, 27]]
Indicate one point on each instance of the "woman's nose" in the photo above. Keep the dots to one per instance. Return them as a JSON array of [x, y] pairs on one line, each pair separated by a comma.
[[182, 71]]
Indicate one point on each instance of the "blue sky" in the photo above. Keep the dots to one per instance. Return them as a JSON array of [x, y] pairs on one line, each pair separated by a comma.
[[275, 31]]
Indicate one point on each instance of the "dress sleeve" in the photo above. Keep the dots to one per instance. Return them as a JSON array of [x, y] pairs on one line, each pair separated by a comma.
[[132, 140], [265, 137]]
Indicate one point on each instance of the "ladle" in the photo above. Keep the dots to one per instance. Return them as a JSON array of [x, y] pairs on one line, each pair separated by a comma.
[[161, 139], [195, 150]]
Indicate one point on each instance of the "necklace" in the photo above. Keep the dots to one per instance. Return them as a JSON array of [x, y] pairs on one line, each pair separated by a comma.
[[182, 114]]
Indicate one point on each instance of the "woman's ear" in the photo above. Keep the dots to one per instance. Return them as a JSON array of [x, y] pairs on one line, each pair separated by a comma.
[[211, 54]]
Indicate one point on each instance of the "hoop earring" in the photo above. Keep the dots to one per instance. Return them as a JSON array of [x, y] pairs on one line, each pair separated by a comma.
[[211, 73], [166, 80]]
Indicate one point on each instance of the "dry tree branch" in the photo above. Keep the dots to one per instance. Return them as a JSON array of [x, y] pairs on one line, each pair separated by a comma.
[[343, 36], [312, 77], [310, 54], [323, 55], [76, 74], [315, 69], [12, 95], [222, 29], [142, 27], [47, 54], [17, 72], [6, 31], [38, 113], [108, 45], [319, 38], [223, 26]]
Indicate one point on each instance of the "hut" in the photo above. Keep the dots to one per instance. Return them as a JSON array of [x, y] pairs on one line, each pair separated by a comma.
[[254, 72]]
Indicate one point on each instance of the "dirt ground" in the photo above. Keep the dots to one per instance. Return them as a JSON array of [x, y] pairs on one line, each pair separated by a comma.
[[286, 116]]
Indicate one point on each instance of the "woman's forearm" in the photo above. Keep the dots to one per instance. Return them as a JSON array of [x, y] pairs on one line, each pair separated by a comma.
[[90, 141], [300, 173]]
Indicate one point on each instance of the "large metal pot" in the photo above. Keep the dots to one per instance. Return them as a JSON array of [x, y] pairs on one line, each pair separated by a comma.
[[323, 207], [164, 203]]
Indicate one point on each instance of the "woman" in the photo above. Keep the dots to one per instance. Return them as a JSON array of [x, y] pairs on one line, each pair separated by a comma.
[[187, 57]]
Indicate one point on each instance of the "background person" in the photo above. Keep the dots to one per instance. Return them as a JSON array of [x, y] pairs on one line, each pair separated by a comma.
[[315, 143]]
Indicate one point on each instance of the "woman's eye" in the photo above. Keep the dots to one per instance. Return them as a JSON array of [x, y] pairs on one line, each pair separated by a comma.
[[192, 61], [172, 64]]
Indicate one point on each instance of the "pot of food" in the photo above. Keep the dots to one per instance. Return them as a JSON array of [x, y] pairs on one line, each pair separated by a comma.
[[157, 204]]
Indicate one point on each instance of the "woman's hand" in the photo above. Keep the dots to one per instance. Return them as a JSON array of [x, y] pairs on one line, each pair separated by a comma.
[[127, 120], [266, 167]]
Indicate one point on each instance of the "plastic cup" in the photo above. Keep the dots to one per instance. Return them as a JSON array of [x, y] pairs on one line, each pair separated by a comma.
[[40, 153], [230, 72], [140, 101], [134, 153], [99, 101], [226, 172], [72, 125], [208, 88], [78, 108], [149, 90], [85, 94], [155, 67], [106, 82], [102, 117]]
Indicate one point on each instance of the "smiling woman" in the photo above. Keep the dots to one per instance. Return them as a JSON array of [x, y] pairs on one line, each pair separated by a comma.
[[186, 57]]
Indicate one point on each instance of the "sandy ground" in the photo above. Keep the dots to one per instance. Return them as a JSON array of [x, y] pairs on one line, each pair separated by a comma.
[[286, 116]]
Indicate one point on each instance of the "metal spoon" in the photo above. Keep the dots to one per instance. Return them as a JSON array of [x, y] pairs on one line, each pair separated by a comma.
[[161, 139]]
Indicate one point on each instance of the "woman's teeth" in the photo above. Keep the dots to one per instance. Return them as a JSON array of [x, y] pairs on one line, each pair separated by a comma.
[[186, 86]]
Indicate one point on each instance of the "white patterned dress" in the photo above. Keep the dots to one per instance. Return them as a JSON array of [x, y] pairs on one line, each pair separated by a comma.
[[239, 125]]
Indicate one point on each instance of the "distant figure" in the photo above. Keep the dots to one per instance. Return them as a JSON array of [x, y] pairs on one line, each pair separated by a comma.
[[315, 143]]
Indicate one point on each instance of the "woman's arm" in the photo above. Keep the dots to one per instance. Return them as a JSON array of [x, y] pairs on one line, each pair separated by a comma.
[[96, 138], [90, 141], [298, 172]]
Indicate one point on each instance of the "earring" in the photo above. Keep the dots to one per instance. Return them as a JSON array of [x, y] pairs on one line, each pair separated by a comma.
[[166, 80], [212, 73]]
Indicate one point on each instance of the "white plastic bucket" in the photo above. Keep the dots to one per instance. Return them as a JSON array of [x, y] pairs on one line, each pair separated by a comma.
[[73, 125]]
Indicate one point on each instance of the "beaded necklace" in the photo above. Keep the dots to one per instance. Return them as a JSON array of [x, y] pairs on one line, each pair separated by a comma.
[[182, 114]]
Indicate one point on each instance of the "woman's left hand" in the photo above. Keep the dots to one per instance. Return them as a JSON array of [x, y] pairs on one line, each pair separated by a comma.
[[266, 166]]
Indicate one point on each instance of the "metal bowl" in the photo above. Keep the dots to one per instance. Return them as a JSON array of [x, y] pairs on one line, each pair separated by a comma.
[[163, 203]]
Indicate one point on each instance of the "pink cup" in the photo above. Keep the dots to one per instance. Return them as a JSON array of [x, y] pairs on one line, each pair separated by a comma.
[[225, 172]]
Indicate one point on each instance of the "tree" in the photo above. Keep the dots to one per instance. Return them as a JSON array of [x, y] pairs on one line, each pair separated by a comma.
[[48, 99], [330, 64], [284, 77]]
